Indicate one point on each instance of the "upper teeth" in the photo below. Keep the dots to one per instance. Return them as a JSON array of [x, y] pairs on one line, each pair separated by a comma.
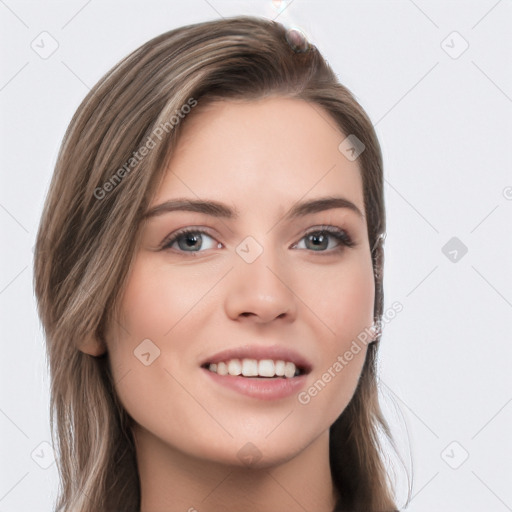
[[254, 368]]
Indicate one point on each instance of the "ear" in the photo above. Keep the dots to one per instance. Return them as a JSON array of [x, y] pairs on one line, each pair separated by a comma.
[[93, 346]]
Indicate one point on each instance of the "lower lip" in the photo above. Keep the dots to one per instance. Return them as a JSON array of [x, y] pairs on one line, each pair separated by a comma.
[[262, 388]]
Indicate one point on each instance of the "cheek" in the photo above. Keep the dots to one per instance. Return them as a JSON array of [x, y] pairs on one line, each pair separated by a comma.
[[150, 309], [341, 298], [151, 346], [155, 300], [344, 307]]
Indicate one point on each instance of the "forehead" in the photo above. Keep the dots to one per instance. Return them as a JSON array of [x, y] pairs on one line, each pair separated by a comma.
[[256, 153]]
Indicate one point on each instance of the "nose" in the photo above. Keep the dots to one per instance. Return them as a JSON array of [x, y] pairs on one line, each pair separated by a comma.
[[261, 291]]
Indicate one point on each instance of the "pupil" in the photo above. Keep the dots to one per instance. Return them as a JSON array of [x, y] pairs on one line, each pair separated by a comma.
[[193, 239], [318, 240]]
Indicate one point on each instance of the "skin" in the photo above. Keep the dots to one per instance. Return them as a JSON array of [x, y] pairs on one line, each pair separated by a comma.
[[259, 157]]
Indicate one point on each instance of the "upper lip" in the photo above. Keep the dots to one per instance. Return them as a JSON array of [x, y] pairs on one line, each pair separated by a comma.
[[259, 352]]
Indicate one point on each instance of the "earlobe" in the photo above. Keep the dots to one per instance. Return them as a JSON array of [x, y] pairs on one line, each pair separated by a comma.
[[93, 346]]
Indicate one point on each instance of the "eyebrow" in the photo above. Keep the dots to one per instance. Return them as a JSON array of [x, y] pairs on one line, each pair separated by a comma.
[[221, 210]]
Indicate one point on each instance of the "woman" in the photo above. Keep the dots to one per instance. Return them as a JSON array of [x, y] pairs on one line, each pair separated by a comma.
[[208, 272]]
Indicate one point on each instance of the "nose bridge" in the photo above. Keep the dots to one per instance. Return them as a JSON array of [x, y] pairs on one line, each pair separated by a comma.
[[259, 282]]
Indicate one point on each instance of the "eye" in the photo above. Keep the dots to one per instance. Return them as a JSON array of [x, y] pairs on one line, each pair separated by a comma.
[[190, 240], [318, 239], [321, 239]]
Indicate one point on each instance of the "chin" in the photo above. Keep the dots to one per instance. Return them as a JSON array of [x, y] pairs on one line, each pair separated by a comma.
[[257, 452]]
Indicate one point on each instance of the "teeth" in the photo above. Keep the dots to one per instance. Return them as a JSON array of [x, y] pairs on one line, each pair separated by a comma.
[[266, 368], [249, 368], [289, 370], [234, 367], [222, 369], [254, 368], [280, 368]]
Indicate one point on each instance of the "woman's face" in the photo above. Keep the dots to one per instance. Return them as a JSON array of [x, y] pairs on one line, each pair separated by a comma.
[[256, 281]]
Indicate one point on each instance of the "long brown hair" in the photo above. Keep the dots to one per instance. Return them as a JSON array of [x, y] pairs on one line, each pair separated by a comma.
[[102, 184]]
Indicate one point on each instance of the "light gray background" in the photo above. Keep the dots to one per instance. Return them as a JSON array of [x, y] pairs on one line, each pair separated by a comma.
[[445, 125]]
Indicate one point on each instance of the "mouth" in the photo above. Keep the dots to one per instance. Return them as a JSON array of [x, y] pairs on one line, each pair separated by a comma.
[[257, 369]]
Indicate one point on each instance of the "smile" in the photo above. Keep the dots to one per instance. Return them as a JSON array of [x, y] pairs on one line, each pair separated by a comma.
[[266, 368]]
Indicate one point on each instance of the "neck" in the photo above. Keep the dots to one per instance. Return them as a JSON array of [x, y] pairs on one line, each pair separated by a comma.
[[173, 481]]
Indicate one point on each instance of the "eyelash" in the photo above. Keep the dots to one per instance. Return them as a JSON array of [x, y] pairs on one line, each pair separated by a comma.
[[339, 234]]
